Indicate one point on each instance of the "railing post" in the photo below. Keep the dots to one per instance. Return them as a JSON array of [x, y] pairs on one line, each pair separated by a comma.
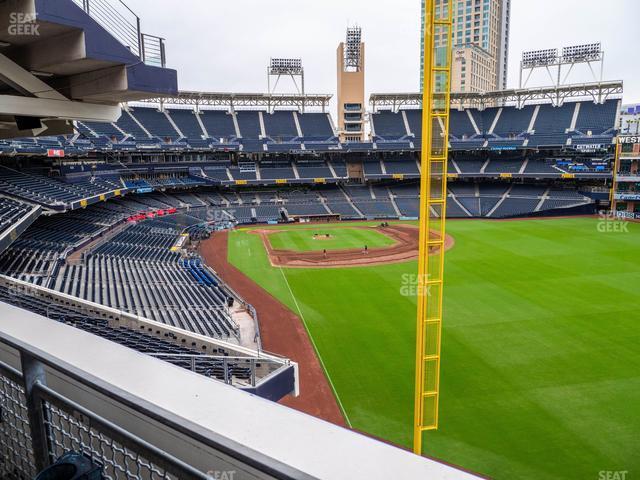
[[140, 40], [33, 373], [163, 59]]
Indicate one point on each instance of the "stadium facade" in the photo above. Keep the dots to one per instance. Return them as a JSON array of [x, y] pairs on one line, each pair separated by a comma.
[[630, 119], [625, 195]]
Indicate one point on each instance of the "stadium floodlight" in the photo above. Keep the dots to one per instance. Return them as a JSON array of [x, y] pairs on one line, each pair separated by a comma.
[[353, 48], [539, 58], [285, 66], [549, 59], [589, 52]]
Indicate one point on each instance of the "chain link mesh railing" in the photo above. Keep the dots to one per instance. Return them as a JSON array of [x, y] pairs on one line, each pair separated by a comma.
[[16, 454], [69, 432], [70, 427]]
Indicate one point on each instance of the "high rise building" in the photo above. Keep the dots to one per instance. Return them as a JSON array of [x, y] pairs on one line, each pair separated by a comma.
[[480, 44]]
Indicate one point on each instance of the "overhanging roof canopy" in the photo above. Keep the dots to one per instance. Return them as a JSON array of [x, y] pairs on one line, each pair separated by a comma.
[[598, 92], [232, 100]]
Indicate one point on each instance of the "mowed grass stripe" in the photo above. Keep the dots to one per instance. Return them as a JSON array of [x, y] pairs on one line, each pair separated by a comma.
[[540, 371]]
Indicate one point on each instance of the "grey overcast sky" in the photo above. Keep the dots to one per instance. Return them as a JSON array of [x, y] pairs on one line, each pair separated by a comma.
[[225, 45]]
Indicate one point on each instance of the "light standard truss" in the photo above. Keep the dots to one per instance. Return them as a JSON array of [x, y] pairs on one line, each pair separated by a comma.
[[234, 100], [433, 197], [597, 92], [552, 62], [288, 67]]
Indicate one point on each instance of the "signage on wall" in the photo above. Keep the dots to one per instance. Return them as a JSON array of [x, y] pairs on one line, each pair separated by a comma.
[[628, 139]]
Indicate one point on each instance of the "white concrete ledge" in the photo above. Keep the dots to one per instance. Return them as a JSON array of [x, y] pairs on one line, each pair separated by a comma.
[[214, 419]]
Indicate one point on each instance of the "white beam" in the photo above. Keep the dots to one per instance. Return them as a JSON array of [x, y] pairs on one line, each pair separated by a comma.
[[25, 82], [64, 109]]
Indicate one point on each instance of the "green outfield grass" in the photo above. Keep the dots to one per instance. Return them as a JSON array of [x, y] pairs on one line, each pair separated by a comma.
[[340, 238], [540, 349]]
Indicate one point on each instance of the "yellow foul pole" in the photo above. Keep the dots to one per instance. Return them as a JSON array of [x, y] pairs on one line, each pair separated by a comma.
[[433, 195], [614, 181]]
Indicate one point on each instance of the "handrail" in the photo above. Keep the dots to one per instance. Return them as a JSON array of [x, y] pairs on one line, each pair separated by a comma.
[[124, 24], [35, 362], [152, 48], [51, 401], [123, 318]]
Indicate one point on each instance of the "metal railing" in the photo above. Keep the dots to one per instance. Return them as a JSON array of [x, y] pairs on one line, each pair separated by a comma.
[[138, 418], [234, 371], [16, 451], [38, 425], [234, 365], [124, 25], [152, 48]]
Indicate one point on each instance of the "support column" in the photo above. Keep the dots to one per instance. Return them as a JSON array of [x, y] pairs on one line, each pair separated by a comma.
[[33, 373]]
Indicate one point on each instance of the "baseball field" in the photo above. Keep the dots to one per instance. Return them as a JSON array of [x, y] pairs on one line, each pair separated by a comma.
[[540, 348], [334, 237]]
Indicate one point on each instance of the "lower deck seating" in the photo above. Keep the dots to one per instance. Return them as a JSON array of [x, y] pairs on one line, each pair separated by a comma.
[[314, 170], [470, 165], [267, 213], [487, 204], [135, 269], [454, 210], [541, 167], [306, 209], [555, 203], [343, 208], [11, 212], [515, 207], [375, 208], [504, 166], [35, 254], [471, 204], [137, 272], [49, 191], [161, 348], [409, 207]]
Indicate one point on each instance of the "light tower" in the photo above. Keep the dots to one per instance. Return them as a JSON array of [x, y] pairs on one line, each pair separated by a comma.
[[351, 86], [552, 61], [287, 67]]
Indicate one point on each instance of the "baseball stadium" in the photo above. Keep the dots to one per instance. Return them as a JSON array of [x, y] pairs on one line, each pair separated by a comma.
[[198, 284]]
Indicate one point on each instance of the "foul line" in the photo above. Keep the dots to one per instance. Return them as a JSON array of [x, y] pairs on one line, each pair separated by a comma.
[[326, 372]]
